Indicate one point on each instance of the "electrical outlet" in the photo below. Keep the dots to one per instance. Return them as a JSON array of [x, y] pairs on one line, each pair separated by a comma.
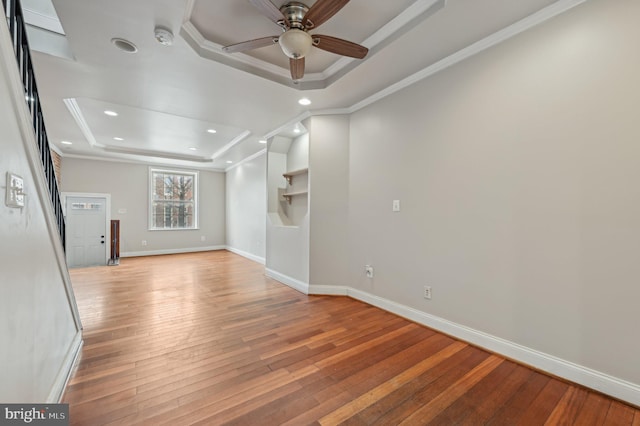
[[368, 270], [427, 292], [144, 242], [203, 238]]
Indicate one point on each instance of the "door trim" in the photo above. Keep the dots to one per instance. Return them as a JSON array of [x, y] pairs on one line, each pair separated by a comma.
[[107, 225]]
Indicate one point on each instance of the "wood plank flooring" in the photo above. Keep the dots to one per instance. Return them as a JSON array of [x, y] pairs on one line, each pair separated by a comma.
[[207, 339]]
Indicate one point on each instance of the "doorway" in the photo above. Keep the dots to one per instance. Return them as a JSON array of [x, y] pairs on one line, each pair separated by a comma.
[[87, 216]]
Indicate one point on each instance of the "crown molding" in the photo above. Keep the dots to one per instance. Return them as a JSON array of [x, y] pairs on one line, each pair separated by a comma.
[[145, 162], [76, 113], [498, 37], [242, 136], [247, 159]]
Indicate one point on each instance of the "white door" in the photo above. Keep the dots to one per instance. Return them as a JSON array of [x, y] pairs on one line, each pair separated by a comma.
[[86, 231]]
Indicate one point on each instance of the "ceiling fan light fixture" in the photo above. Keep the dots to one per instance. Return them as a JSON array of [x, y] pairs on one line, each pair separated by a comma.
[[295, 43]]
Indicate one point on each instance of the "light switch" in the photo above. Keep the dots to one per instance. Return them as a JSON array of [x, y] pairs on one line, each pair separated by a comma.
[[396, 205], [15, 191]]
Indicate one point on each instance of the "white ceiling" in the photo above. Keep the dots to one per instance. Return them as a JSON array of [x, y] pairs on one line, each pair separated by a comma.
[[167, 97]]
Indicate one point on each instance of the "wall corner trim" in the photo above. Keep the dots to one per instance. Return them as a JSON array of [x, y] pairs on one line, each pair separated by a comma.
[[613, 386]]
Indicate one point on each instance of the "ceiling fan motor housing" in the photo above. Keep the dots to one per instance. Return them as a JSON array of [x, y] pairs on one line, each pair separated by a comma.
[[294, 12]]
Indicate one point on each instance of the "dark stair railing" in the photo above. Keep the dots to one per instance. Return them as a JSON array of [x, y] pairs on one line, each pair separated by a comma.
[[17, 28]]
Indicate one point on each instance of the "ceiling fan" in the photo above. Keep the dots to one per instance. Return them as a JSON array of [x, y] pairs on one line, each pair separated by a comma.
[[296, 20]]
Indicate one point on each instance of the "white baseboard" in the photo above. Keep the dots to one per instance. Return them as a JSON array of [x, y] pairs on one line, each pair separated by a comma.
[[260, 260], [329, 290], [170, 251], [621, 389], [60, 383], [288, 281]]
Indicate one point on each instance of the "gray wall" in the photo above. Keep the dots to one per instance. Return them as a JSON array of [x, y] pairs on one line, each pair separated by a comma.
[[329, 199], [37, 329], [247, 208], [518, 173], [128, 185]]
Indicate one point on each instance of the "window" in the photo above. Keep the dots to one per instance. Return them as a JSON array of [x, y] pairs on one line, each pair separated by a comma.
[[173, 199]]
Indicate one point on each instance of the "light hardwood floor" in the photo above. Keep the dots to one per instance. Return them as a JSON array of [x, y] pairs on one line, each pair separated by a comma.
[[206, 338]]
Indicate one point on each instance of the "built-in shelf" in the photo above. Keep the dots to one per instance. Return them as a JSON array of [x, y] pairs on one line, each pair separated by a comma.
[[289, 195], [289, 175]]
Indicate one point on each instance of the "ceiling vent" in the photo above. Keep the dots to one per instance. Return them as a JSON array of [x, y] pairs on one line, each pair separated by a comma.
[[124, 45]]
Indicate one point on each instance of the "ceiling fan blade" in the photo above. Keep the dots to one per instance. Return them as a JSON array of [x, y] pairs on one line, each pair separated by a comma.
[[251, 44], [321, 12], [297, 68], [270, 11], [339, 46]]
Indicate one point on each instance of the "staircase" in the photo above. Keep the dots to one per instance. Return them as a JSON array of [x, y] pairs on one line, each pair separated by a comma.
[[17, 28]]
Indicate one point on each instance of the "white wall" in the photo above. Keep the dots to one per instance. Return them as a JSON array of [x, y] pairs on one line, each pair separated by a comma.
[[128, 185], [38, 334], [518, 174], [246, 206]]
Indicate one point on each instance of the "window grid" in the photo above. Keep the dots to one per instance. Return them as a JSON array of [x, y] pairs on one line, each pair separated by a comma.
[[173, 203]]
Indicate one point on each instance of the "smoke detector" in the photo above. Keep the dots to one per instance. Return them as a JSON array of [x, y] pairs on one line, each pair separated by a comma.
[[164, 36]]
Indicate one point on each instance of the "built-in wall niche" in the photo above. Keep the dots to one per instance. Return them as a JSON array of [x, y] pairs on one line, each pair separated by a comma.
[[288, 177]]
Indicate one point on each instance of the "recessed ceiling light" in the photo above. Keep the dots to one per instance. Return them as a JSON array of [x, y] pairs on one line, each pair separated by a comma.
[[66, 143], [193, 148], [262, 141], [296, 130], [229, 162], [118, 139], [124, 45], [212, 131], [111, 113], [304, 101]]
